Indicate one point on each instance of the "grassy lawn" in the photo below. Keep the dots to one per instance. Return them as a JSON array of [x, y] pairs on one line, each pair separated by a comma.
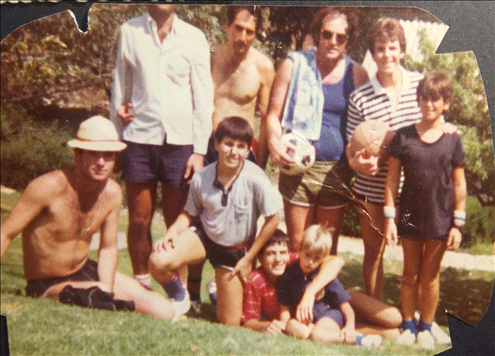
[[47, 327]]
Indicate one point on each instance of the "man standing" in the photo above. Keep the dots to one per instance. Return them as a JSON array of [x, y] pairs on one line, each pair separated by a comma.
[[162, 102], [58, 214], [242, 79], [242, 76]]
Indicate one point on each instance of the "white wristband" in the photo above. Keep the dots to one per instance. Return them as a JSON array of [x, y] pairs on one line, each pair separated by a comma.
[[460, 214], [389, 212]]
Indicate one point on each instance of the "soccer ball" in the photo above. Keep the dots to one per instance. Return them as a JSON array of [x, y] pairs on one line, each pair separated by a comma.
[[372, 135], [303, 155]]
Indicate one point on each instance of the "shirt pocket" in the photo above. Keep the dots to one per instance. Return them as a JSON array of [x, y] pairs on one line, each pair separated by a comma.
[[241, 210]]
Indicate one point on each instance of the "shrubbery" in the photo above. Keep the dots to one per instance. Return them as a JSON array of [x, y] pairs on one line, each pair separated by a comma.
[[30, 149]]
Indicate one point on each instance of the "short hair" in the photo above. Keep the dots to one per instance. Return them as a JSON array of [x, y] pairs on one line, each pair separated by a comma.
[[254, 10], [387, 29], [236, 128], [278, 237], [317, 239], [435, 85], [350, 16]]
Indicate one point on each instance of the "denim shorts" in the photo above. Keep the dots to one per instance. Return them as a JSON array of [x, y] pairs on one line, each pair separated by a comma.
[[164, 163]]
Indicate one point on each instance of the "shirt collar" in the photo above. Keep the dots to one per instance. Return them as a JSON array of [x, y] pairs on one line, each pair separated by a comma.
[[217, 184], [150, 21], [379, 89]]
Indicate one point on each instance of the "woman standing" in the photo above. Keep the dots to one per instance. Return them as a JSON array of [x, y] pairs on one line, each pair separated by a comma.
[[309, 95]]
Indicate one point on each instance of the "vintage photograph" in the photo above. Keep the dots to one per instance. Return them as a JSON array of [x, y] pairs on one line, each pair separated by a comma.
[[242, 180]]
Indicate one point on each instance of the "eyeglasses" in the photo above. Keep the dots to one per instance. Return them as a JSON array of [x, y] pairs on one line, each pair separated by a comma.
[[341, 37]]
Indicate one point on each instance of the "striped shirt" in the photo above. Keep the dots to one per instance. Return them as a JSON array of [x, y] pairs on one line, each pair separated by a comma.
[[371, 102]]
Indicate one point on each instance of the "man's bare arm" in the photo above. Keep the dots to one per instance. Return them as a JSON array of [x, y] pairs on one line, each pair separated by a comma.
[[278, 96], [108, 251], [243, 266], [31, 203], [267, 73]]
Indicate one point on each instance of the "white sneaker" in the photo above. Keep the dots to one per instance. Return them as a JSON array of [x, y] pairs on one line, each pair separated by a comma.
[[440, 336], [371, 341], [195, 307], [181, 307], [406, 338], [426, 340]]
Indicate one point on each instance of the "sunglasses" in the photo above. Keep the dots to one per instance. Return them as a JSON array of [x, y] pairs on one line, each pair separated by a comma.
[[341, 37]]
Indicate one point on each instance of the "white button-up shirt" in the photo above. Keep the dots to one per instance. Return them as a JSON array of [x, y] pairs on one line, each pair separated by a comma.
[[169, 84]]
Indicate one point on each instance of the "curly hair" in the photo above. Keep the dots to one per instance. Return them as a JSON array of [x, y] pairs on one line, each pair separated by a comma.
[[350, 16]]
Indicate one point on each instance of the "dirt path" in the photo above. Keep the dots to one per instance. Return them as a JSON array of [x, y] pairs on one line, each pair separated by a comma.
[[456, 260]]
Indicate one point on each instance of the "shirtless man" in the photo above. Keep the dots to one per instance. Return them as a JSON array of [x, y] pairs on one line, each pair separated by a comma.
[[242, 78], [242, 75], [58, 214]]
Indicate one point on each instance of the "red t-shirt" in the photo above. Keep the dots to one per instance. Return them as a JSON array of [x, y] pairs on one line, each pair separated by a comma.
[[260, 295]]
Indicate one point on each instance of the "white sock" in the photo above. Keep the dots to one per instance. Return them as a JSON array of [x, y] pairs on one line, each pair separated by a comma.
[[144, 279]]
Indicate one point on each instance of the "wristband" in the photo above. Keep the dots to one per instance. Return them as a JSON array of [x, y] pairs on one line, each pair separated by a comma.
[[459, 217], [389, 212]]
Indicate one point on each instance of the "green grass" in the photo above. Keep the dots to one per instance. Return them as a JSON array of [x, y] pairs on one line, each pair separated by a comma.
[[45, 327]]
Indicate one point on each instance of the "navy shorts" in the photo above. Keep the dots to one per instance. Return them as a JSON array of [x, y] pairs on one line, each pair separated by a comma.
[[164, 163], [37, 287], [321, 310], [219, 256]]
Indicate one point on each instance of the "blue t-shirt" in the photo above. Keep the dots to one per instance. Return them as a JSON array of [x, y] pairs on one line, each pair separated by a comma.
[[331, 144], [292, 285], [427, 201]]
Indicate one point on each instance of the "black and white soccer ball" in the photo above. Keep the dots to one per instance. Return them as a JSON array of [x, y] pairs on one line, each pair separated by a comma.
[[303, 155]]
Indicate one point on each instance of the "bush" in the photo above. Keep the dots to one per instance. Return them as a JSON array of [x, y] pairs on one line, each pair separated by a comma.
[[350, 225], [480, 223], [30, 149]]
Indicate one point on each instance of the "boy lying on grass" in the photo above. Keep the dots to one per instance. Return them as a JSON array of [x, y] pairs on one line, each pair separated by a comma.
[[261, 309], [333, 317]]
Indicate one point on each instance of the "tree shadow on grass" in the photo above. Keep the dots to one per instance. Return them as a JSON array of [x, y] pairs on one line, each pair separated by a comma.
[[462, 293], [464, 297]]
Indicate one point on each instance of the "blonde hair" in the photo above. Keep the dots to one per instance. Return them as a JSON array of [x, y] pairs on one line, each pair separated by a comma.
[[317, 239]]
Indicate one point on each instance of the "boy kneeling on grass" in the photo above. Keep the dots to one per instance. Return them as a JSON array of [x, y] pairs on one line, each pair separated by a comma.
[[432, 204], [224, 203], [333, 317]]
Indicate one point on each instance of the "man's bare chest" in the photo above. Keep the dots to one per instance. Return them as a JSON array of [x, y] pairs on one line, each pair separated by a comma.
[[240, 84]]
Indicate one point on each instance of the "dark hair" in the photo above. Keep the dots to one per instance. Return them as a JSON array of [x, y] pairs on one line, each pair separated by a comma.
[[350, 16], [254, 10], [387, 29], [278, 237], [435, 85], [236, 128]]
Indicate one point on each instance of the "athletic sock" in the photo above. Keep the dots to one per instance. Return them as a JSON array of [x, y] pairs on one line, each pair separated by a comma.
[[424, 326], [144, 280], [194, 288], [409, 325], [175, 289]]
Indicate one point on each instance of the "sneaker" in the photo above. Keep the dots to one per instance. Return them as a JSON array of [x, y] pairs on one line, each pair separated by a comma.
[[181, 307], [195, 308], [440, 336], [406, 338], [426, 340], [371, 341]]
